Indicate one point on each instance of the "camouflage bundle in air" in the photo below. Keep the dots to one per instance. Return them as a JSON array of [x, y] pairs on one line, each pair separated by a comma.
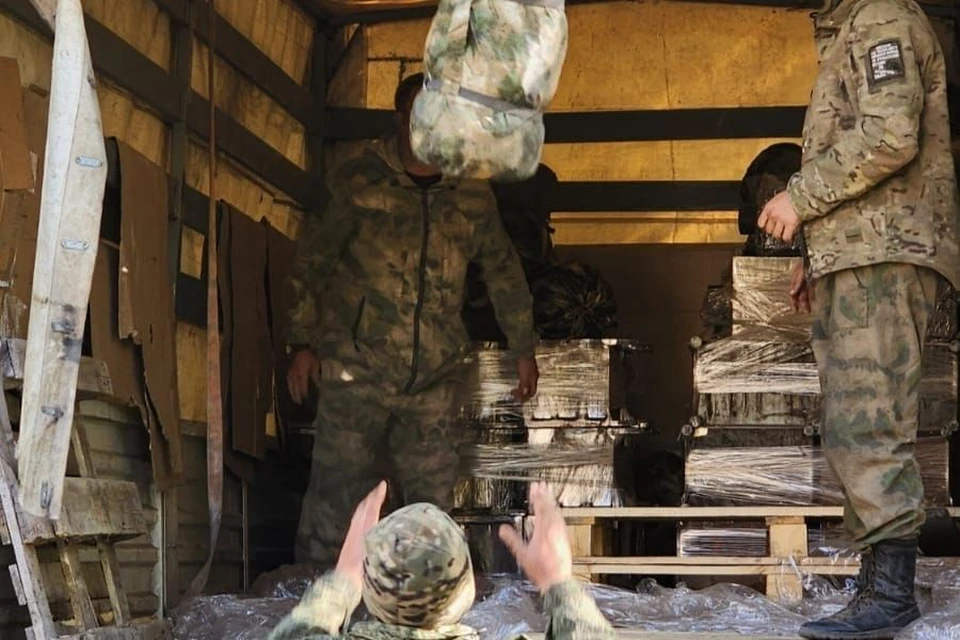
[[492, 66]]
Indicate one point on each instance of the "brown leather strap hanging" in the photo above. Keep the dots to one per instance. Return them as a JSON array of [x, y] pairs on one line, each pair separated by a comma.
[[214, 395]]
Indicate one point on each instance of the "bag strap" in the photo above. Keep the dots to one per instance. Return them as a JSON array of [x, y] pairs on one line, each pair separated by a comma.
[[546, 4]]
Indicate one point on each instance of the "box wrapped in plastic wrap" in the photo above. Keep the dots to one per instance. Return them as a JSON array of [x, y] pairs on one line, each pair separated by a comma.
[[792, 475], [577, 463], [743, 540], [582, 383], [761, 294], [761, 297], [767, 360]]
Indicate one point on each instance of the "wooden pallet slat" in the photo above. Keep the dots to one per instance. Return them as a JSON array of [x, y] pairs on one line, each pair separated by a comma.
[[783, 568]]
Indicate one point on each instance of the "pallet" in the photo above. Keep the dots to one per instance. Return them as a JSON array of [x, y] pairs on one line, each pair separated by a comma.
[[631, 634], [783, 569], [96, 512]]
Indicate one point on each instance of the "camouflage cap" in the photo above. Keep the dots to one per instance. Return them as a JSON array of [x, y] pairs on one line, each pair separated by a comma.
[[417, 570]]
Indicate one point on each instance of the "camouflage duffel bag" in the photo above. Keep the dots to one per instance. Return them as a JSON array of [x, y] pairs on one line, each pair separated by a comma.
[[491, 68]]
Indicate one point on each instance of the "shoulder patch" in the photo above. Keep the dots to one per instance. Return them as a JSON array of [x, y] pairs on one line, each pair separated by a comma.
[[885, 62]]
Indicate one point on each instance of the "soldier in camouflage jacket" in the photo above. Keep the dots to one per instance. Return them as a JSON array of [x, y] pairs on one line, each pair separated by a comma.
[[380, 280], [876, 201], [414, 574]]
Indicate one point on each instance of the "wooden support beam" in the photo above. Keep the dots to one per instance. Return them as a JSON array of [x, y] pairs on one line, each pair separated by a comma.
[[182, 65], [645, 196], [316, 134], [245, 57], [122, 64], [934, 8]]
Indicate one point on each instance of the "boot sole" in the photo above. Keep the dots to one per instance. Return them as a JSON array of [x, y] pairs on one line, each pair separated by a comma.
[[879, 634]]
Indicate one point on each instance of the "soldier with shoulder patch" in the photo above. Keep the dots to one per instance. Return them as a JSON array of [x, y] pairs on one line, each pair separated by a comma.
[[413, 572], [876, 202], [380, 279]]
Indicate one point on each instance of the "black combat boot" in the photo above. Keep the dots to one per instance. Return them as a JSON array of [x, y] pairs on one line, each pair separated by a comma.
[[885, 601]]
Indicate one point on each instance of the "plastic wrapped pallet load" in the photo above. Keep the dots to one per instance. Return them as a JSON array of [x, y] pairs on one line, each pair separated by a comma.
[[492, 66], [795, 476], [591, 396]]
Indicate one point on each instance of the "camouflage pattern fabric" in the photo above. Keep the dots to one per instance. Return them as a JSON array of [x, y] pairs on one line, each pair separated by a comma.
[[492, 67], [380, 277], [363, 436], [418, 583], [868, 330], [417, 570], [877, 182]]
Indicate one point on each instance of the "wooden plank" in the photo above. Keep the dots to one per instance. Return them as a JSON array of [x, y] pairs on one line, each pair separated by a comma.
[[74, 182], [707, 569], [788, 539], [179, 133], [93, 508], [632, 634], [419, 12], [80, 602], [719, 513], [718, 561], [28, 566], [111, 575], [151, 84], [144, 630], [105, 550], [702, 513], [246, 58], [94, 377]]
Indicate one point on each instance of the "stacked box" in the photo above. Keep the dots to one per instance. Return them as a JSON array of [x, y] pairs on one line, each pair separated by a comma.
[[740, 540], [591, 395], [792, 475], [754, 434]]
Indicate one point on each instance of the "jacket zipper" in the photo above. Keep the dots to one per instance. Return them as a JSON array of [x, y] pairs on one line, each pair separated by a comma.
[[422, 277]]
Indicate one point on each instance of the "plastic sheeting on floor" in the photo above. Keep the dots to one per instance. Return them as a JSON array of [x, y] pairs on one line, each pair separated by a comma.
[[507, 606]]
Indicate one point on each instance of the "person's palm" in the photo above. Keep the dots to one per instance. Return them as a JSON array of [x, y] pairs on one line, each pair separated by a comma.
[[365, 518], [546, 559]]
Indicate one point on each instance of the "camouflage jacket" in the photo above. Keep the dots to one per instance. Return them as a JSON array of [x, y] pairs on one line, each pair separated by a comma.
[[877, 182], [380, 277], [327, 606]]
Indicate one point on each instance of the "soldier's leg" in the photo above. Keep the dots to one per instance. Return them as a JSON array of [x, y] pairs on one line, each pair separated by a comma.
[[425, 442], [868, 336], [350, 429]]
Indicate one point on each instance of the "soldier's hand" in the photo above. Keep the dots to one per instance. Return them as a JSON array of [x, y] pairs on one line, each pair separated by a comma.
[[800, 294], [779, 219], [304, 369], [529, 375], [547, 559], [367, 515]]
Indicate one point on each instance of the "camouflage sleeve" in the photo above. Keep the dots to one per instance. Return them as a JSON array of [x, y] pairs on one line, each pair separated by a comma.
[[320, 243], [890, 93], [322, 612], [574, 614], [506, 282]]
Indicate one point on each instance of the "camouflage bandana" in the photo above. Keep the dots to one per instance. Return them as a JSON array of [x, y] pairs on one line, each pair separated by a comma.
[[417, 570]]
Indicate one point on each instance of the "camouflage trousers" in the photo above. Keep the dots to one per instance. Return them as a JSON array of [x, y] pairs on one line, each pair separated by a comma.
[[364, 435], [868, 334]]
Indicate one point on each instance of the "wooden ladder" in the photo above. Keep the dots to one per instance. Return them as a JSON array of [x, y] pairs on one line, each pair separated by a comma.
[[96, 512]]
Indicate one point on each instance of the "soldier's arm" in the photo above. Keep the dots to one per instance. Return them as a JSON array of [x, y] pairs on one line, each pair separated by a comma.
[[506, 282], [318, 248], [574, 614], [323, 611], [884, 138]]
